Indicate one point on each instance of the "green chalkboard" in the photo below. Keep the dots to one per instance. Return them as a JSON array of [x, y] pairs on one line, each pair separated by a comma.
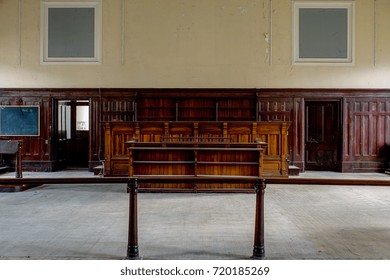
[[19, 120]]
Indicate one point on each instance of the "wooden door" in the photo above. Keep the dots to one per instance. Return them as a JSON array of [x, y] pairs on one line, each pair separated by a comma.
[[322, 135], [78, 144], [73, 134], [63, 130]]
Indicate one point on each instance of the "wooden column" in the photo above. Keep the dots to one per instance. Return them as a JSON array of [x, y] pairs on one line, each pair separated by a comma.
[[284, 149], [131, 157], [258, 245], [132, 245], [138, 132], [108, 147], [254, 133], [18, 173]]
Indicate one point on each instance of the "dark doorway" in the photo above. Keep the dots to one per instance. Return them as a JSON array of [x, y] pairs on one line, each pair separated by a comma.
[[73, 134], [322, 135]]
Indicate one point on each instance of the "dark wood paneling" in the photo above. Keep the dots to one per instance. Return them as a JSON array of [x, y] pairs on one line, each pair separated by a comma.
[[201, 109], [368, 129], [275, 109], [243, 109], [365, 118], [218, 105], [365, 123], [117, 105], [156, 109], [95, 133], [297, 132]]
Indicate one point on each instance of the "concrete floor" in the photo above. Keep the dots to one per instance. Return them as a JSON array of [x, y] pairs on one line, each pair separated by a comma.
[[301, 222]]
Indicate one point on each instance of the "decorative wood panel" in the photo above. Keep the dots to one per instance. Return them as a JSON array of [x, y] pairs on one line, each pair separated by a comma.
[[367, 127], [297, 138], [117, 105], [243, 109], [276, 155], [95, 133], [275, 109], [156, 109], [210, 129], [196, 109], [203, 105], [149, 132], [349, 140], [179, 129], [242, 132]]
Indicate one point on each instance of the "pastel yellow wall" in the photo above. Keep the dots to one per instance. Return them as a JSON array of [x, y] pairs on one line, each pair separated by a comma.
[[193, 44]]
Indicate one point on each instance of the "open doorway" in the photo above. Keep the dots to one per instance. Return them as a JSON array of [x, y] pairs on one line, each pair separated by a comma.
[[322, 135], [73, 134]]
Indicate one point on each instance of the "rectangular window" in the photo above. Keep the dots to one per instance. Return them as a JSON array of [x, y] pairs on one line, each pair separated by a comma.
[[71, 32], [323, 32]]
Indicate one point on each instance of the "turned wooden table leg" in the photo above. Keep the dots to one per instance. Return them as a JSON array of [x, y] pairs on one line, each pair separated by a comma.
[[132, 245], [258, 246]]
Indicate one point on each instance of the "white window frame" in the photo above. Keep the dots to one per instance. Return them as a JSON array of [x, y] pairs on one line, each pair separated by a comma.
[[96, 59], [350, 6]]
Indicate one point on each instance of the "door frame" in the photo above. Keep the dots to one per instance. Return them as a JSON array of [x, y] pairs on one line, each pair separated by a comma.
[[59, 161], [339, 120]]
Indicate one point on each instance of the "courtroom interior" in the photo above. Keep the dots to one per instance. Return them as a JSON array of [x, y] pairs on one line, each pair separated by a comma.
[[197, 100]]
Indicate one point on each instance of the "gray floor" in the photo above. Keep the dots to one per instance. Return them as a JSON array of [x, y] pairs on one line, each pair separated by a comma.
[[302, 222]]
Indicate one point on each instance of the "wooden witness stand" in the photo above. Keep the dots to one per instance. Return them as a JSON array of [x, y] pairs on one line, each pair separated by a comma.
[[197, 161]]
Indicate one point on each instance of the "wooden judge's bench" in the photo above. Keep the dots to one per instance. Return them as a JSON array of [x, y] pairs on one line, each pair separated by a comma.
[[245, 148]]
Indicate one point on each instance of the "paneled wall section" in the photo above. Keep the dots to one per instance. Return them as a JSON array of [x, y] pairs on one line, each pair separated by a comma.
[[367, 133], [365, 119]]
